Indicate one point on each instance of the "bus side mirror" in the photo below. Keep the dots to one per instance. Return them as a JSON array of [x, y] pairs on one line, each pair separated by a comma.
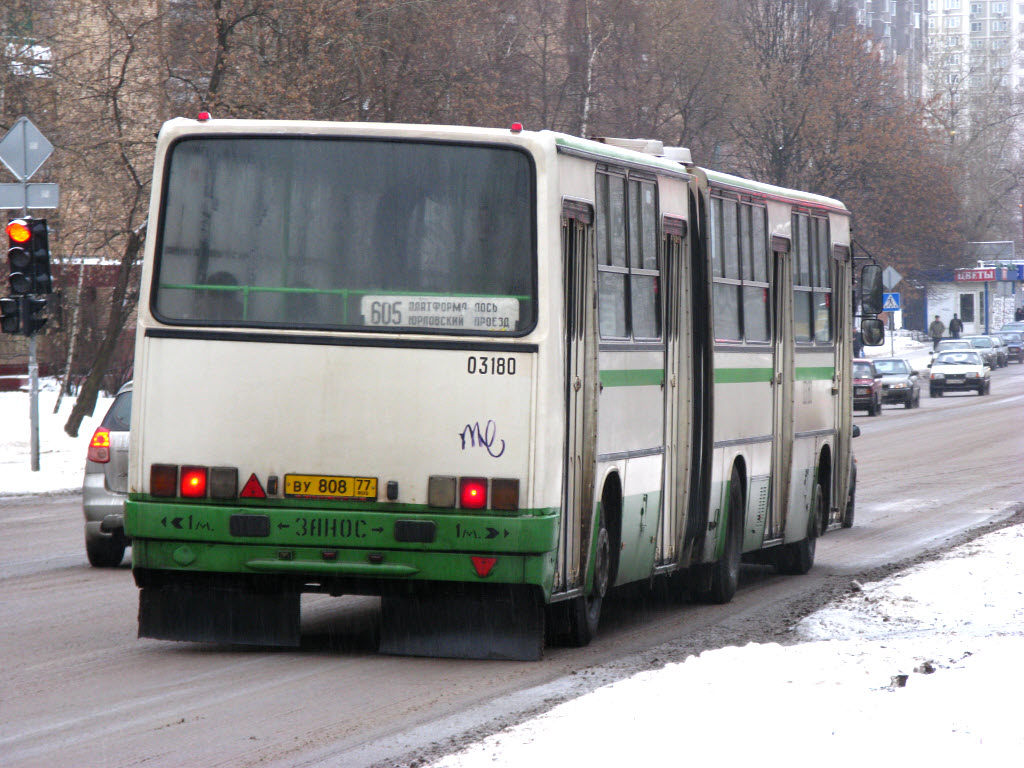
[[871, 289], [872, 331]]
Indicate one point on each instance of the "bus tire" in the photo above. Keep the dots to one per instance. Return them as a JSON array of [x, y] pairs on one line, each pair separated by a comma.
[[798, 558], [583, 613], [851, 500], [725, 573]]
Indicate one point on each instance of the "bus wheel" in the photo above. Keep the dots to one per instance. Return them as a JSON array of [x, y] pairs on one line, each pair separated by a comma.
[[851, 500], [725, 573], [585, 611], [574, 622], [798, 558]]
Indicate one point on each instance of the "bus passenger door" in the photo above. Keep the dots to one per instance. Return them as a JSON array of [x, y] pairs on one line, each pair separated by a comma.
[[580, 393], [782, 382], [675, 277]]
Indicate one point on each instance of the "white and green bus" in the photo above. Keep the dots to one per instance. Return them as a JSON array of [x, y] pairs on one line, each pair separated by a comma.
[[485, 374]]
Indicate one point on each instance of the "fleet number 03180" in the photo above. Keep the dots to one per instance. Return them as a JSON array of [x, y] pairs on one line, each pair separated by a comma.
[[495, 366]]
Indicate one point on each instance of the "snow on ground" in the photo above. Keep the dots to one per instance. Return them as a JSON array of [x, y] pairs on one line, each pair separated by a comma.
[[61, 458], [923, 668]]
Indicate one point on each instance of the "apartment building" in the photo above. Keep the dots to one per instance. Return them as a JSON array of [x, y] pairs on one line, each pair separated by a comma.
[[898, 28]]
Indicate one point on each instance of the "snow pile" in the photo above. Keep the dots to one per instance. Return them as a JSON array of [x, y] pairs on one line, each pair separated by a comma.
[[61, 458], [919, 669]]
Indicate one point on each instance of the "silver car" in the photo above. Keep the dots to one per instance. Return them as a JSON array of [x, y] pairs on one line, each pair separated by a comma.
[[105, 486]]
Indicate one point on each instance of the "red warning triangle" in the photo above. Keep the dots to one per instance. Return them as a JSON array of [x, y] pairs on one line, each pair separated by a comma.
[[253, 489]]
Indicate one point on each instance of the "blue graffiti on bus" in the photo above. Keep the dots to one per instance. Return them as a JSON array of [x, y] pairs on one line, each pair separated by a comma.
[[484, 438]]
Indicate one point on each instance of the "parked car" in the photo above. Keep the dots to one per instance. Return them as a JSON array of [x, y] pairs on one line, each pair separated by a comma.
[[958, 371], [1016, 325], [900, 382], [987, 349], [105, 486], [867, 387], [1014, 341]]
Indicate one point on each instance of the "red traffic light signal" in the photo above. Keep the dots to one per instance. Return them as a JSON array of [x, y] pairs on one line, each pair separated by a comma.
[[28, 257]]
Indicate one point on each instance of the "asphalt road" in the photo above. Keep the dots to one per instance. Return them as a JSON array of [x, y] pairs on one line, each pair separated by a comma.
[[78, 688]]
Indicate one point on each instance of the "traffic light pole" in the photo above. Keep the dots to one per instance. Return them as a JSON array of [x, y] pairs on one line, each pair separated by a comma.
[[33, 401]]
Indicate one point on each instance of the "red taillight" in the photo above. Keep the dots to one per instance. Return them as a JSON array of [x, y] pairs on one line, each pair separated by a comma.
[[193, 482], [99, 446], [473, 493]]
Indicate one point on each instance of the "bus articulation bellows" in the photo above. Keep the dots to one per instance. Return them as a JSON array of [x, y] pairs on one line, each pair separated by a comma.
[[485, 374]]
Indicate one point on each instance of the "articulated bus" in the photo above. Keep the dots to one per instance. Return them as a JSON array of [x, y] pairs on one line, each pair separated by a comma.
[[485, 374]]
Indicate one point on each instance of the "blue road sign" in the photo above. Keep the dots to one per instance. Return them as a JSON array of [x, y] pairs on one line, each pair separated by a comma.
[[890, 302]]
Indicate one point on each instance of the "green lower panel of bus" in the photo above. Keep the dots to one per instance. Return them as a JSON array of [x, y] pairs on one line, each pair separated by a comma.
[[339, 545]]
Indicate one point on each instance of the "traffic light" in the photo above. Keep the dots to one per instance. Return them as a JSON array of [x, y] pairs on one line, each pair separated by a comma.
[[32, 320], [28, 257], [10, 315]]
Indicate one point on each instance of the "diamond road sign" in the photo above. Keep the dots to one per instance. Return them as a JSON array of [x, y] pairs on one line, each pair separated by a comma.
[[891, 278], [24, 149]]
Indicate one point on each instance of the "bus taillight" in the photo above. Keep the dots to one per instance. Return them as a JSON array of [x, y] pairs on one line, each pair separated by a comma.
[[472, 493], [163, 480], [193, 482], [99, 446], [505, 494]]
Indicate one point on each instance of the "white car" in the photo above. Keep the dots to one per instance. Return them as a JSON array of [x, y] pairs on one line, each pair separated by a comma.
[[958, 371]]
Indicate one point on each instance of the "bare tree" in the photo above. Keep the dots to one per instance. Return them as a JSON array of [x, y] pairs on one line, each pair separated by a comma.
[[105, 69]]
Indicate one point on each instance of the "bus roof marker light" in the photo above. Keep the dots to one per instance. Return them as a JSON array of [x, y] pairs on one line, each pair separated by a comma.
[[203, 116], [516, 128]]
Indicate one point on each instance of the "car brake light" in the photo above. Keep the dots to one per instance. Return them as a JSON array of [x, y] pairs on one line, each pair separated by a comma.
[[99, 446]]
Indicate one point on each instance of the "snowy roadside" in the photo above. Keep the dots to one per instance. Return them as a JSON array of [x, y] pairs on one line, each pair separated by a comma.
[[922, 668], [61, 458]]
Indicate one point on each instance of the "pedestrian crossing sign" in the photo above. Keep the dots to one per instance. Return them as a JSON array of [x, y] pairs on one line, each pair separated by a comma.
[[890, 302]]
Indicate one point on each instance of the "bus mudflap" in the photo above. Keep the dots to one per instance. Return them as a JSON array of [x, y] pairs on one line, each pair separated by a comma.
[[219, 615], [504, 623]]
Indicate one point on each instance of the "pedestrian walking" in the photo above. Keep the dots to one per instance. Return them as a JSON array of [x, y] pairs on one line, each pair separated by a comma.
[[956, 326], [935, 330], [858, 343]]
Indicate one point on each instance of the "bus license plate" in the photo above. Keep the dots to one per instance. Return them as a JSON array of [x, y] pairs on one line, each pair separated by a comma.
[[330, 487]]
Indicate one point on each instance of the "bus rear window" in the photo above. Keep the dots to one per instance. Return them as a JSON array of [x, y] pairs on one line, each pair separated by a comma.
[[347, 234]]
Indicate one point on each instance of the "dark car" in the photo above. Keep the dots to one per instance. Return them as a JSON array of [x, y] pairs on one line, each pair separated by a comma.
[[1014, 342], [986, 348], [867, 387], [900, 383], [105, 486]]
